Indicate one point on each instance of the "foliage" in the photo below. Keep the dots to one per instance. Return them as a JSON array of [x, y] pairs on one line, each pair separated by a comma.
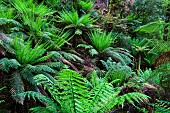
[[32, 15], [153, 27], [117, 72], [27, 63], [71, 90], [148, 8], [162, 106], [102, 40], [71, 19], [85, 5], [38, 49]]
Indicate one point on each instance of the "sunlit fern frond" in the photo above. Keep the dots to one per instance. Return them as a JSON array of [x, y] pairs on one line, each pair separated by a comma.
[[73, 93], [68, 90], [85, 5], [26, 54], [131, 98]]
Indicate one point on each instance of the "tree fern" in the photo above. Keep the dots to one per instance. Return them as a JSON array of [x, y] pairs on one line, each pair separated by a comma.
[[25, 54], [71, 19], [28, 62]]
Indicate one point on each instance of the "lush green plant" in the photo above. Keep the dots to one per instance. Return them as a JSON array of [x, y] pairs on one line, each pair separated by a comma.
[[101, 40], [102, 44], [139, 47], [85, 5], [153, 27], [117, 72], [27, 62], [9, 25], [6, 12], [71, 19], [71, 90], [32, 15], [148, 8]]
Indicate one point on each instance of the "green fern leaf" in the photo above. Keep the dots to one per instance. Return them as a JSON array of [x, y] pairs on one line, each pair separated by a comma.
[[74, 91], [5, 21], [6, 64]]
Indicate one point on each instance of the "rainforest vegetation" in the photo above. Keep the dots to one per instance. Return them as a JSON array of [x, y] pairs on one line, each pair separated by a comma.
[[85, 56]]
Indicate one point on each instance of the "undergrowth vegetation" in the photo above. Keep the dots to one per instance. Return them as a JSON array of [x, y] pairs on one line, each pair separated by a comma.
[[84, 56]]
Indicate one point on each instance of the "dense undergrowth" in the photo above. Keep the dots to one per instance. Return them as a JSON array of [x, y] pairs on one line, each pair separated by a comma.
[[84, 56]]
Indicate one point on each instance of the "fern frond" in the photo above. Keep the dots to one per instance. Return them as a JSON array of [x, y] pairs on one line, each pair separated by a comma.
[[162, 72], [152, 27], [100, 96], [5, 21], [48, 109], [85, 5], [29, 71], [74, 91], [92, 51], [61, 38], [6, 64], [119, 54], [71, 56], [36, 96], [162, 106], [120, 73], [44, 68], [160, 46], [131, 97], [48, 84], [28, 55]]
